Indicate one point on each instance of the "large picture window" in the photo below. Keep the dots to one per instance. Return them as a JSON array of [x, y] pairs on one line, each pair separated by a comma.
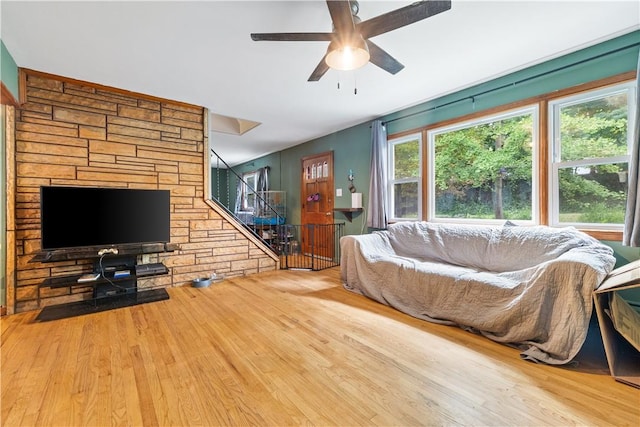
[[405, 165], [509, 165], [591, 144], [483, 170]]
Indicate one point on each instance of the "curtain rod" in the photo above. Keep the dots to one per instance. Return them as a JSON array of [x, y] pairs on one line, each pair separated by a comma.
[[472, 97]]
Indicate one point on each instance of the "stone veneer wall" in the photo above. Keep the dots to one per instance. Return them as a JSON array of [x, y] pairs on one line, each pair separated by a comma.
[[80, 134]]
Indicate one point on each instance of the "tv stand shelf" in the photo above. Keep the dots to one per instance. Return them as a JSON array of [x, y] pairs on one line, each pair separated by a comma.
[[64, 281], [348, 212], [107, 285], [92, 252]]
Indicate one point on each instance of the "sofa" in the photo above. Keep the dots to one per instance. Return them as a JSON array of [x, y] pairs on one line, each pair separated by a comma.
[[526, 286]]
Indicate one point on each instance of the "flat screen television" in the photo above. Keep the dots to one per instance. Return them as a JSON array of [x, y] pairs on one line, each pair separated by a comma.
[[75, 217]]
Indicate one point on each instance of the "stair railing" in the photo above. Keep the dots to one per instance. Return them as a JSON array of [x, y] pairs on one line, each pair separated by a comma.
[[221, 193]]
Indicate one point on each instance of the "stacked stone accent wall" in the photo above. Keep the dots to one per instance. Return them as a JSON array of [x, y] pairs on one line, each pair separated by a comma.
[[80, 134]]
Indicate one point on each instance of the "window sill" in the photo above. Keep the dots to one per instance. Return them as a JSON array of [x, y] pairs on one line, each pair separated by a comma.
[[615, 236]]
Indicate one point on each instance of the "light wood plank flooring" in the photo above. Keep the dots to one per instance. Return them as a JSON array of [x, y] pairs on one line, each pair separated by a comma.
[[285, 348]]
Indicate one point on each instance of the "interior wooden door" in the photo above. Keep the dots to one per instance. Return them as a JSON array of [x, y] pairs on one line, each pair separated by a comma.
[[317, 205]]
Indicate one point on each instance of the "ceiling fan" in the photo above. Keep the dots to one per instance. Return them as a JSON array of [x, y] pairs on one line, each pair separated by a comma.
[[349, 44]]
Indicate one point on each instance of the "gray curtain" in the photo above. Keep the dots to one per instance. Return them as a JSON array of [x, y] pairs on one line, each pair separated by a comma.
[[377, 206], [631, 235], [262, 184]]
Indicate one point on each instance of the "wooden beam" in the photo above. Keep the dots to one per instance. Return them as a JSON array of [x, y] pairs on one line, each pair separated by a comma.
[[6, 97], [28, 72], [10, 213]]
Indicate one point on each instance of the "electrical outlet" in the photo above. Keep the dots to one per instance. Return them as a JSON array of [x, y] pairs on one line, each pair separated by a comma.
[[338, 192]]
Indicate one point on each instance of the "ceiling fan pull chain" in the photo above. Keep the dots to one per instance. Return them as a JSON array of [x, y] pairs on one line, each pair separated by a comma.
[[355, 84]]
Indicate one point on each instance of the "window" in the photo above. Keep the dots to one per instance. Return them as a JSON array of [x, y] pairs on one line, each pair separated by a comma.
[[248, 190], [487, 167], [484, 170], [590, 136], [405, 164]]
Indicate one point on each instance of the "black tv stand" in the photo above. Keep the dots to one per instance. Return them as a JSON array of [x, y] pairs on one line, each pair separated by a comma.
[[88, 252], [108, 285], [118, 274]]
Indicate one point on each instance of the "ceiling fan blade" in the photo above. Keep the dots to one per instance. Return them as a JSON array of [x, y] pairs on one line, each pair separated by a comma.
[[320, 70], [292, 37], [382, 59], [341, 16], [400, 17]]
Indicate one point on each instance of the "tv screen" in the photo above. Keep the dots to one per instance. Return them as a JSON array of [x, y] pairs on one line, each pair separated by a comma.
[[73, 217]]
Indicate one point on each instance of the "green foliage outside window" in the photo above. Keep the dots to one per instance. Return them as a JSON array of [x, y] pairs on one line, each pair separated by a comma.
[[596, 129], [484, 171], [406, 160], [406, 166]]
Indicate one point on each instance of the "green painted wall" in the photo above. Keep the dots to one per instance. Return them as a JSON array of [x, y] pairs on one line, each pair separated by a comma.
[[220, 189], [606, 59], [8, 70], [350, 151]]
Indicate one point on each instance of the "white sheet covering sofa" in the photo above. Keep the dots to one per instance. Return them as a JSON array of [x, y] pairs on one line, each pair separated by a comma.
[[530, 287]]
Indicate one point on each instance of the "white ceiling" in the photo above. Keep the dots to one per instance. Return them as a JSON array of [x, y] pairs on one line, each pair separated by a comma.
[[200, 52]]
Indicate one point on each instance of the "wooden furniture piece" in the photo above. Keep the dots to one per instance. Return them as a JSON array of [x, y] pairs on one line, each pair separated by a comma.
[[619, 322]]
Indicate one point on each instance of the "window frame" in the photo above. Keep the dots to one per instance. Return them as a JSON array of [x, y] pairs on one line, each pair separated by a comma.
[[542, 100], [246, 189], [432, 133], [556, 163], [392, 182]]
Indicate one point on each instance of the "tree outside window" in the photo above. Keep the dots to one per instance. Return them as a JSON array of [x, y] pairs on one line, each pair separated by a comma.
[[404, 171], [487, 169], [483, 170], [591, 146]]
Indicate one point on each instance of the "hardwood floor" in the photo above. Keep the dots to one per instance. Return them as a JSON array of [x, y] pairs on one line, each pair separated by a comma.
[[285, 348]]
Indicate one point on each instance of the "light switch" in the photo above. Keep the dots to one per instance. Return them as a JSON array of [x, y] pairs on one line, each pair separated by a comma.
[[338, 192]]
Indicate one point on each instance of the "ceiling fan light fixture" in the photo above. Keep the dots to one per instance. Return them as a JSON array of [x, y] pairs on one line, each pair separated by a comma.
[[349, 56]]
